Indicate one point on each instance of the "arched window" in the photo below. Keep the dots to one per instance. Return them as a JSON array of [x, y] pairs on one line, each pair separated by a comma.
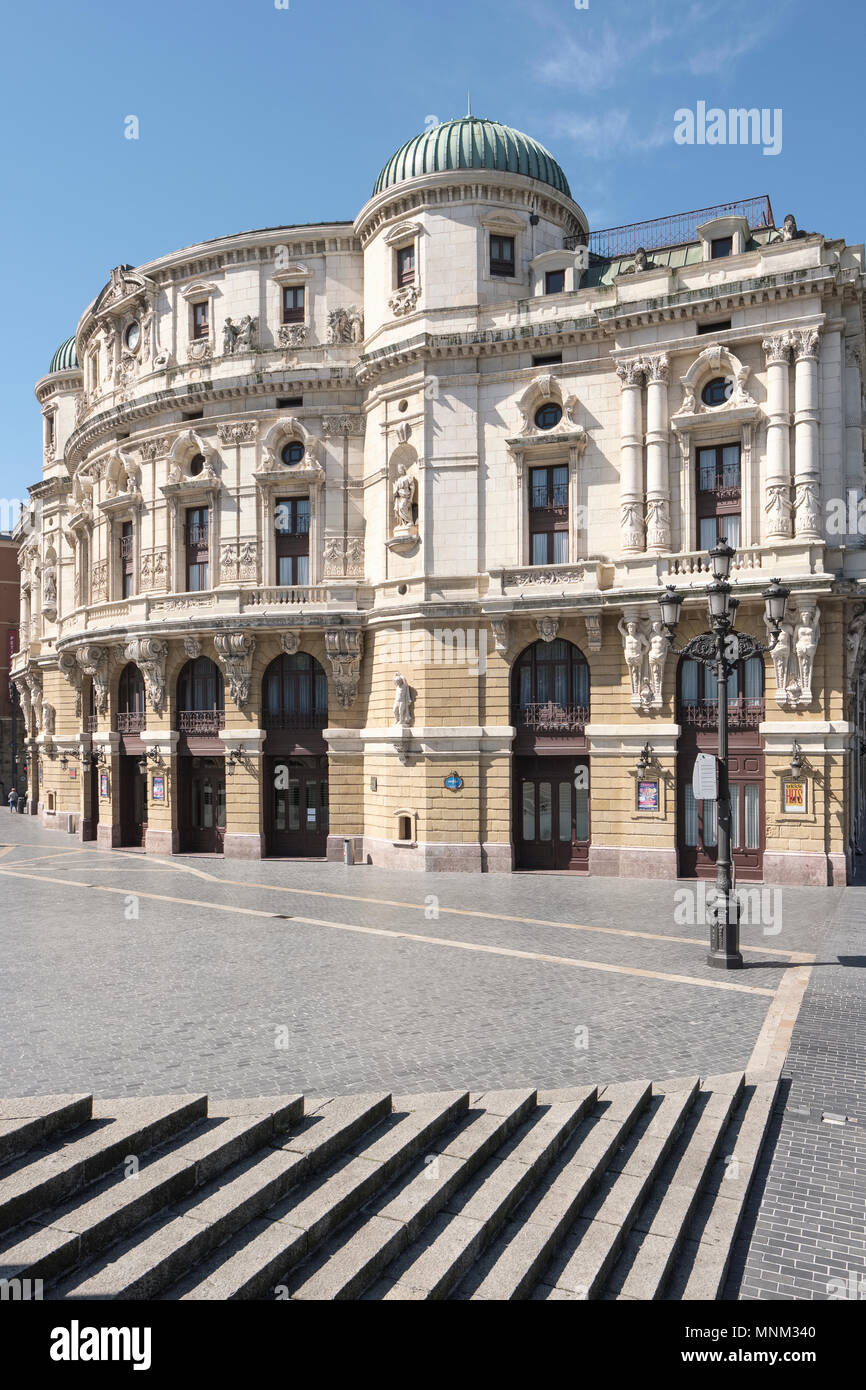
[[699, 695], [295, 693], [550, 692], [131, 707], [200, 697]]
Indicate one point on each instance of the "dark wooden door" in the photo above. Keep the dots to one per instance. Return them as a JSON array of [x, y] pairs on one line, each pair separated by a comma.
[[297, 806], [697, 820], [202, 805], [133, 803], [551, 813]]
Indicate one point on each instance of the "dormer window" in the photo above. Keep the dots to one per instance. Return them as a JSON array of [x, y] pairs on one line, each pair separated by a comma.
[[548, 416], [201, 319], [406, 266], [554, 282], [721, 246], [294, 304], [502, 256]]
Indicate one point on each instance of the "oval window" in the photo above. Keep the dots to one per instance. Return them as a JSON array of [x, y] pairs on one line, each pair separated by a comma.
[[132, 337], [196, 464], [717, 391], [292, 454], [548, 416]]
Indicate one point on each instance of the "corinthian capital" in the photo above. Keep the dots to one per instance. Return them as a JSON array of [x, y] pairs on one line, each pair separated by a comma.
[[631, 372], [806, 342], [777, 348], [657, 368]]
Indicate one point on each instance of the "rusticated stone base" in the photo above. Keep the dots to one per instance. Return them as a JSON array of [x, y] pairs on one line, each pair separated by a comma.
[[161, 841], [107, 835], [425, 856], [619, 861], [243, 846], [802, 870]]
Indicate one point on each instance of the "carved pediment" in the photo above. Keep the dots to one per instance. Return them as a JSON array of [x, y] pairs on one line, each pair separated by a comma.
[[125, 287]]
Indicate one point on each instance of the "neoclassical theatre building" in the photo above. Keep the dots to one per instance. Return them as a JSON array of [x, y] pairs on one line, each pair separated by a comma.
[[356, 532]]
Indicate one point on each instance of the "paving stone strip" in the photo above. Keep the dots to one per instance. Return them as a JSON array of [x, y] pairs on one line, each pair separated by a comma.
[[594, 1192]]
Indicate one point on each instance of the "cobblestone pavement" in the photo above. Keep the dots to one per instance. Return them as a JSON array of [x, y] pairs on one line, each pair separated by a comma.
[[131, 976], [804, 1233]]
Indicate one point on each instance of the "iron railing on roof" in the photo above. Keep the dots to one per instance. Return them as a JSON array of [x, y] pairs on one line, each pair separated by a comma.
[[678, 229]]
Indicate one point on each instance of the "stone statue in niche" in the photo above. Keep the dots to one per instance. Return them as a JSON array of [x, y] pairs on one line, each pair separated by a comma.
[[404, 497], [403, 700]]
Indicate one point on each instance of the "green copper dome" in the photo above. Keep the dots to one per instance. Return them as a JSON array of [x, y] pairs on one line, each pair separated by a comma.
[[471, 143], [64, 359]]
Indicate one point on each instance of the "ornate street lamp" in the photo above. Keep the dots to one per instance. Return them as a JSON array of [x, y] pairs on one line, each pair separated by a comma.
[[720, 650], [798, 762], [646, 759]]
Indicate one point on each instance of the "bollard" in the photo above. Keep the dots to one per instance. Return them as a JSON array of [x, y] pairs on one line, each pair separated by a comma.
[[348, 855]]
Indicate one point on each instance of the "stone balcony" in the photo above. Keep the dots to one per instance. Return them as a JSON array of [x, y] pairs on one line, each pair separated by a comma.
[[249, 602]]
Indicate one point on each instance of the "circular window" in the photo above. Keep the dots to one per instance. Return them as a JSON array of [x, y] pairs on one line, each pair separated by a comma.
[[292, 454], [196, 464], [132, 336], [403, 406], [548, 416], [717, 391]]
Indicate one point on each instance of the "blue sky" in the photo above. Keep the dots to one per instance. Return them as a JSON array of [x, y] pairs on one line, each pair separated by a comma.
[[253, 116]]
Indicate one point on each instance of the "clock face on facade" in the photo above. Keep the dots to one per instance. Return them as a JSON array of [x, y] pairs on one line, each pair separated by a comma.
[[132, 337]]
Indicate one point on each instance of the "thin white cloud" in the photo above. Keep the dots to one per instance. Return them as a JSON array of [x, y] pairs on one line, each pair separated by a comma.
[[615, 131]]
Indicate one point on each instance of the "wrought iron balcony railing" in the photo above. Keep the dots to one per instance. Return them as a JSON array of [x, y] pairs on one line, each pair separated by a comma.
[[131, 722], [551, 718], [196, 721], [294, 719], [91, 723], [742, 714]]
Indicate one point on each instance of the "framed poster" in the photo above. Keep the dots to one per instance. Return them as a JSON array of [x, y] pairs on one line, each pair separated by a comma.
[[158, 787], [794, 798], [648, 796], [103, 784]]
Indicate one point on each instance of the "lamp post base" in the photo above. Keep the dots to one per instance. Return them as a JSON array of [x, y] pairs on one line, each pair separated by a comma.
[[725, 960]]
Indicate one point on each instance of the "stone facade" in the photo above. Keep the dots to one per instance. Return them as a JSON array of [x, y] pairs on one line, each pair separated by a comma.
[[414, 411], [11, 725]]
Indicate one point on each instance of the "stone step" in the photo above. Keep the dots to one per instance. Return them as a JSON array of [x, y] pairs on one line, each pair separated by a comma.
[[436, 1262], [590, 1249], [657, 1235], [350, 1262], [118, 1130], [48, 1247], [516, 1258], [27, 1123], [299, 1225], [706, 1251], [167, 1248]]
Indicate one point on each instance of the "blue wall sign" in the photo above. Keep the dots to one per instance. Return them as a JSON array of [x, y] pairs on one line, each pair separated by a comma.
[[454, 782]]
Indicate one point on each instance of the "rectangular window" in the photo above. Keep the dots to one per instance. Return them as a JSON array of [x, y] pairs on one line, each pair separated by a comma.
[[201, 319], [406, 266], [735, 815], [718, 495], [718, 327], [292, 541], [548, 515], [581, 831], [690, 831], [721, 246], [126, 560], [502, 256], [753, 817], [197, 549], [554, 282], [549, 359], [294, 304]]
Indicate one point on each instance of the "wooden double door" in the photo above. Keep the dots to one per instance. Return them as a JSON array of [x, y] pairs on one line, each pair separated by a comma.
[[202, 804], [551, 813], [697, 821], [133, 802], [296, 806]]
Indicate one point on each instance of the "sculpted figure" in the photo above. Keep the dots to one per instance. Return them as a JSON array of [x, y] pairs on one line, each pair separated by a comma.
[[404, 497], [244, 340], [230, 335], [658, 651], [402, 700], [634, 643], [808, 631]]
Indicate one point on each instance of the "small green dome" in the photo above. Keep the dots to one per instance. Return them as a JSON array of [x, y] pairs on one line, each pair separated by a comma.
[[472, 143], [65, 358]]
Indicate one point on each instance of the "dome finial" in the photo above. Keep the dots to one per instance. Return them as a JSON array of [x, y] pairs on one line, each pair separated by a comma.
[[468, 103]]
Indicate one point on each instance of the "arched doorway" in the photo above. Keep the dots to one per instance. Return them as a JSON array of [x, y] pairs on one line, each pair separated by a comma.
[[131, 724], [698, 716], [550, 710], [295, 778], [201, 767]]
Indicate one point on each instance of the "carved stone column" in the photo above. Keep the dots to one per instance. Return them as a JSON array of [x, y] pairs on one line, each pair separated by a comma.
[[658, 484], [777, 484], [631, 375], [807, 465]]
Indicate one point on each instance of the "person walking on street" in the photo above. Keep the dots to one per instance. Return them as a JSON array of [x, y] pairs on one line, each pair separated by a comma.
[[13, 800]]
